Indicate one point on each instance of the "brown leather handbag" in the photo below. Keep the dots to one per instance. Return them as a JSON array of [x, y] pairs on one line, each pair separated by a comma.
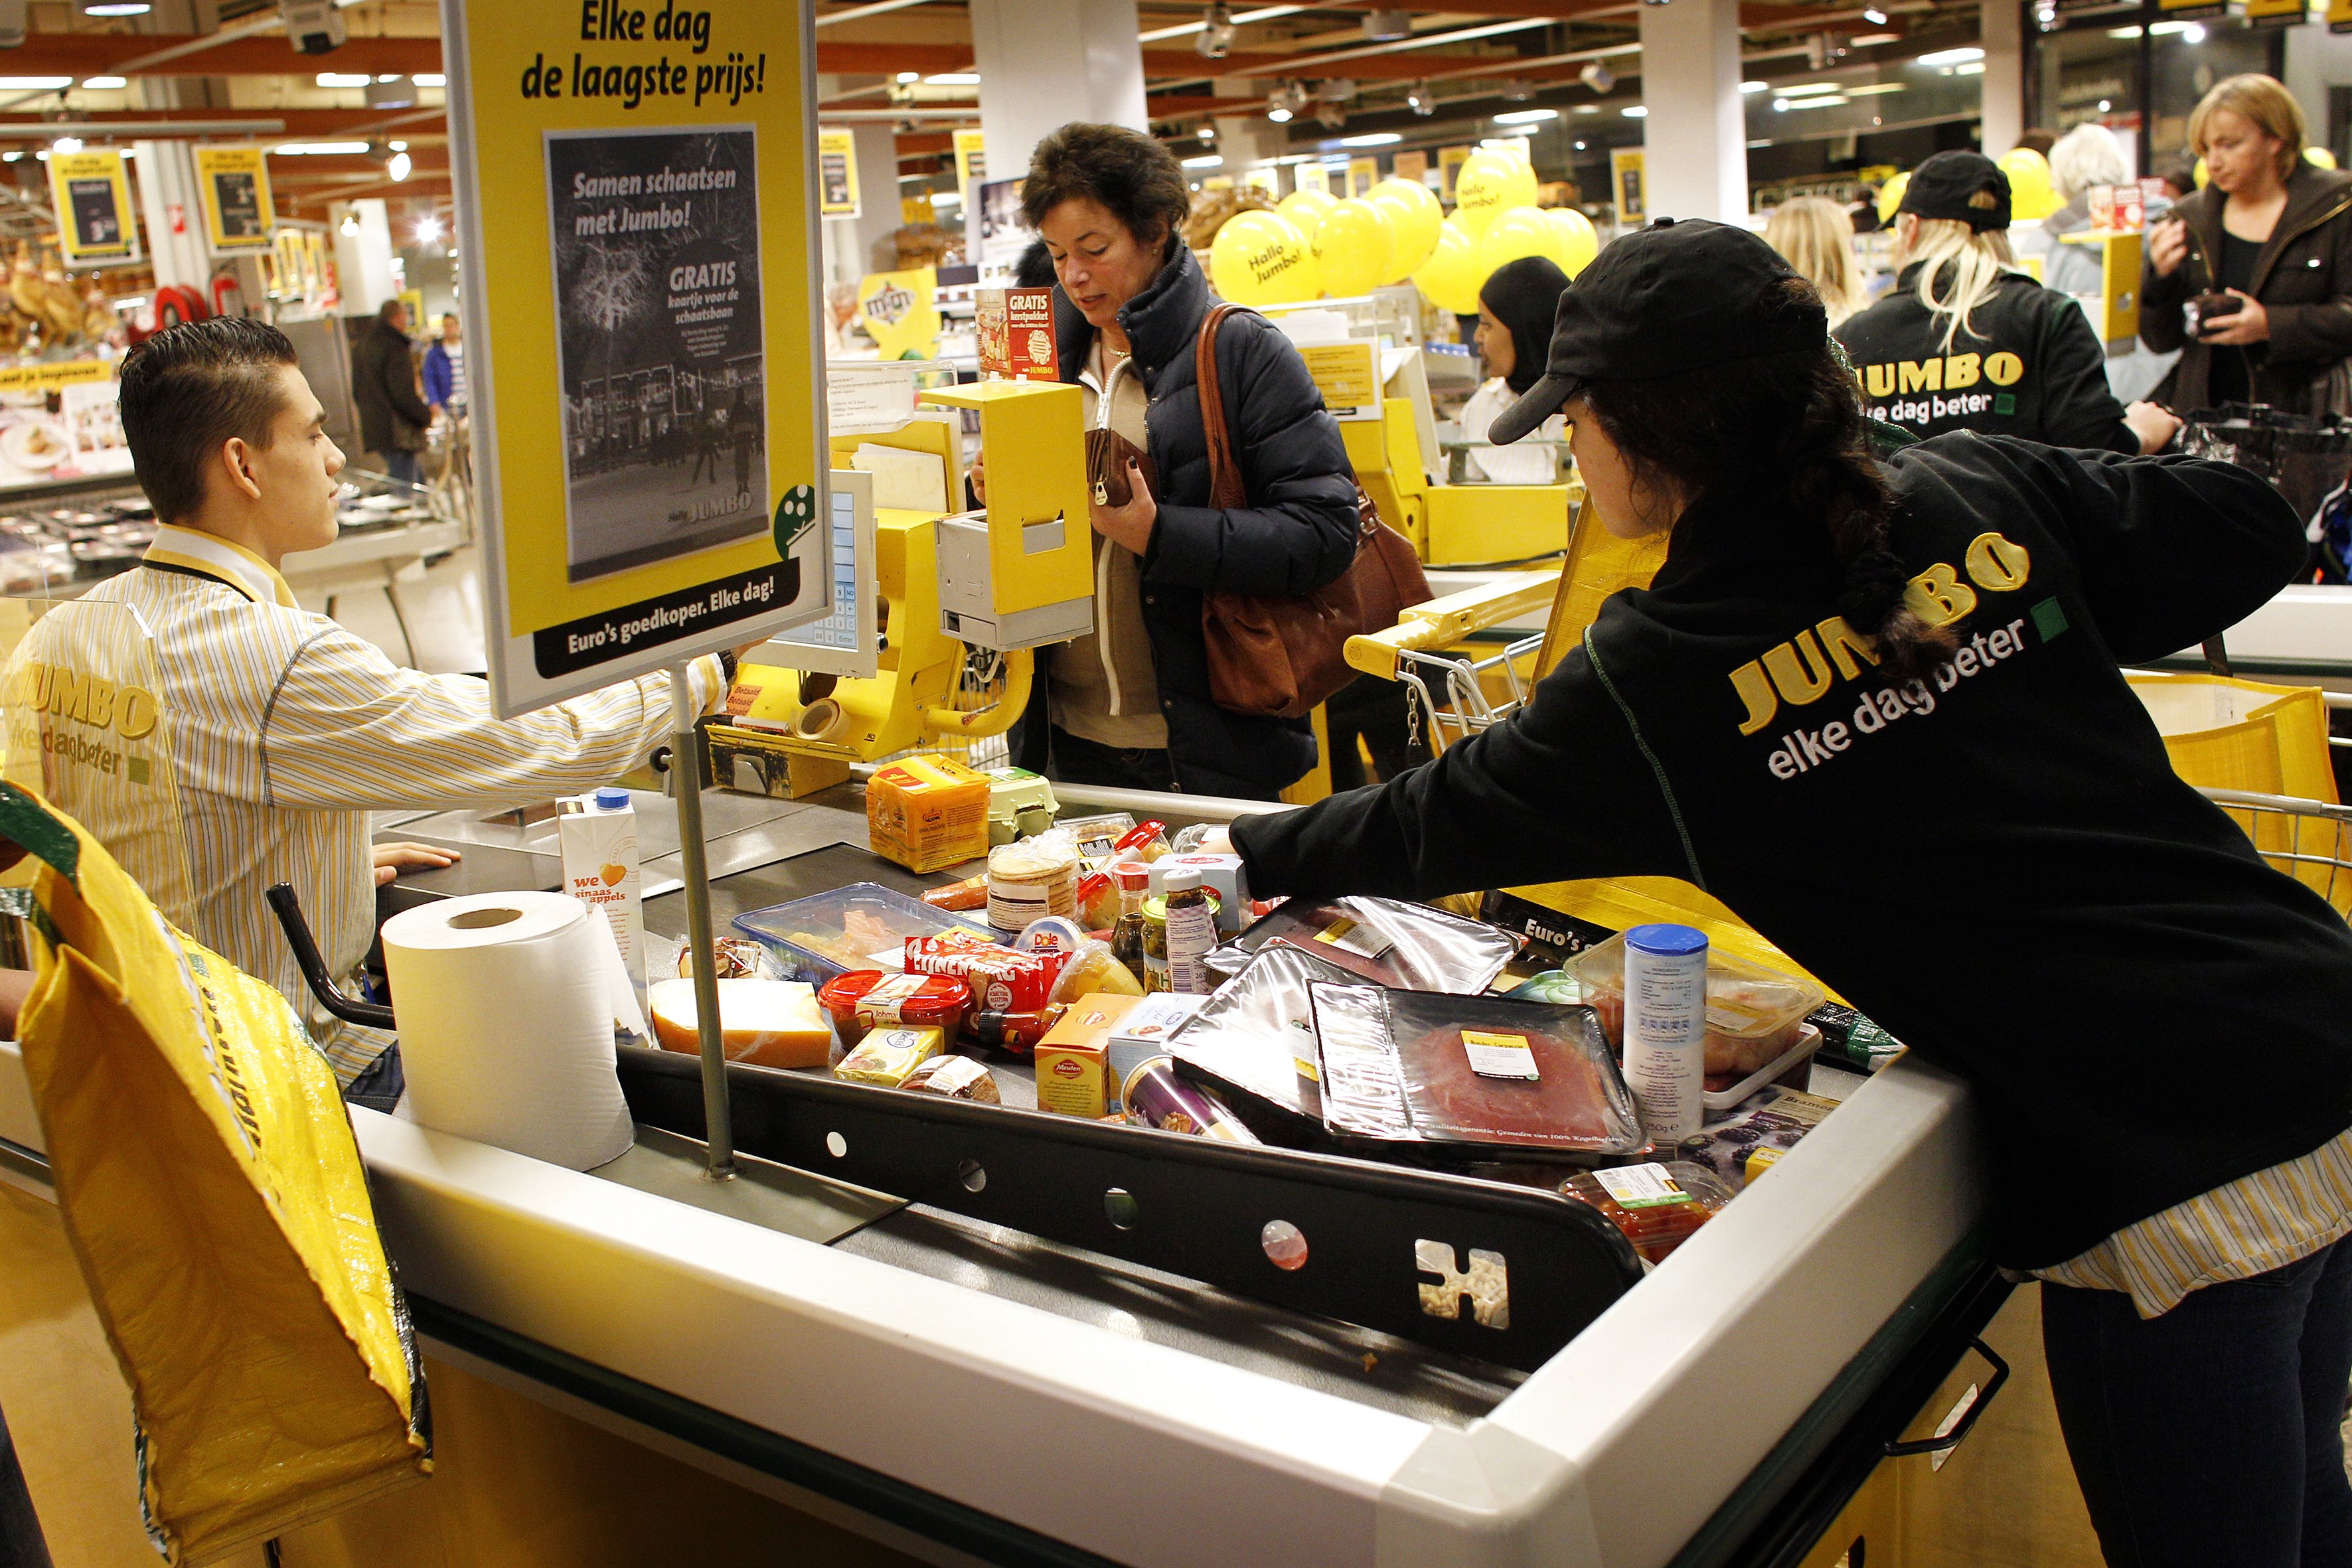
[[1278, 654]]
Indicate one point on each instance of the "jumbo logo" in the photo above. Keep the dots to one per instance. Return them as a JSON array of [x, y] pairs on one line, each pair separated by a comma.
[[92, 699], [1807, 667], [1950, 373]]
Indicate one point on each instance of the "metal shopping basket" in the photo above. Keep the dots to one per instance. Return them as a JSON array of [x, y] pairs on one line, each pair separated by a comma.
[[2310, 840]]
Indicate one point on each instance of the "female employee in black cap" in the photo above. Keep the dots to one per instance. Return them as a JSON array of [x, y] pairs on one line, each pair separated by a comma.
[[1875, 707], [1963, 341]]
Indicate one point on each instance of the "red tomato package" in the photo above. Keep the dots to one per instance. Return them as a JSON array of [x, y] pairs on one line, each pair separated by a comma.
[[1500, 1076], [1390, 941]]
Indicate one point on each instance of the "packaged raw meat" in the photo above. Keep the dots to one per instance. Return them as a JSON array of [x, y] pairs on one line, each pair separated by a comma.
[[1658, 1206], [1752, 1013], [865, 999], [1481, 1071], [1256, 1038], [1390, 942], [1772, 1121]]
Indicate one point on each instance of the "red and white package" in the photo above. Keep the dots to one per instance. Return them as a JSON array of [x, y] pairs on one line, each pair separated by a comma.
[[1001, 980]]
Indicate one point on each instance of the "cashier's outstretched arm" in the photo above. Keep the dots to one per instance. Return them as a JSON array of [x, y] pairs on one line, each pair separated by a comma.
[[1559, 791], [351, 729]]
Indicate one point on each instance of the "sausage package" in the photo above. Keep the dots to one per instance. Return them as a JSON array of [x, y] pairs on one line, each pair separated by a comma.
[[1482, 1072], [1256, 1038], [1390, 942]]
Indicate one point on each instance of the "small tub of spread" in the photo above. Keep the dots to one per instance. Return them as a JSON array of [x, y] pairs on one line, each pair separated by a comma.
[[867, 999]]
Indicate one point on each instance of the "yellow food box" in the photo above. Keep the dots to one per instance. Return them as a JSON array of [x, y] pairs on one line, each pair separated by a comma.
[[1073, 1059], [927, 811]]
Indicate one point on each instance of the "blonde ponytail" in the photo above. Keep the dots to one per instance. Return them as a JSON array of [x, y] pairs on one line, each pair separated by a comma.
[[1974, 263]]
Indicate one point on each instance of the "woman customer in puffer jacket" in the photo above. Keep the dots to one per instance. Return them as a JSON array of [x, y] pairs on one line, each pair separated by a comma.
[[1128, 706], [2273, 232]]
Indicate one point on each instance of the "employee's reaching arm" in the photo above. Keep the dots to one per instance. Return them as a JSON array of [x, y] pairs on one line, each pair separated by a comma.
[[2171, 551], [350, 730]]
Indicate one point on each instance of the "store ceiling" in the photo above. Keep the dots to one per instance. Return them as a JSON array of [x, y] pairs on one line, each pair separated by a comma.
[[1485, 53]]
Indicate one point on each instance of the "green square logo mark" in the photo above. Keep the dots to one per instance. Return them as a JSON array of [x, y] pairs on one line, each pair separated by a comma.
[[2050, 620], [2005, 403], [136, 767]]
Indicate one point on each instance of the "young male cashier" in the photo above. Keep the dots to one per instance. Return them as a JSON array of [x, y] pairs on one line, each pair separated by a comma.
[[284, 730]]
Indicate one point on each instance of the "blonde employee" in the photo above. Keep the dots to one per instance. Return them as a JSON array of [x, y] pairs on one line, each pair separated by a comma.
[[284, 730]]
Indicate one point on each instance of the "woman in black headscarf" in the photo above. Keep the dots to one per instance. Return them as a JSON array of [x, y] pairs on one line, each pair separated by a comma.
[[1514, 320]]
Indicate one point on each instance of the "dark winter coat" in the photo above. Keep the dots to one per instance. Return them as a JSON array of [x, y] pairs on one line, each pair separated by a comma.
[[383, 387], [1297, 533], [2303, 277]]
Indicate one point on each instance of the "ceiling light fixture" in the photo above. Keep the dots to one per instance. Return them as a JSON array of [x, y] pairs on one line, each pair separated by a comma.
[[1526, 116], [104, 83], [318, 149], [1598, 77], [1206, 161], [1637, 111], [1873, 16], [1215, 39], [1205, 132], [118, 8], [1961, 56], [1420, 100], [1755, 87], [2194, 33], [430, 79], [350, 224], [428, 230], [953, 79], [343, 78], [66, 144], [1372, 139]]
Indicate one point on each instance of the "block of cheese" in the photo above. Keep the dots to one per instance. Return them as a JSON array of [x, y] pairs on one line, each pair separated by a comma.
[[772, 1023]]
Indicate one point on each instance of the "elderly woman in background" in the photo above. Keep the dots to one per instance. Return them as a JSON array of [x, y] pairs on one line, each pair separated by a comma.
[[2274, 234], [2084, 159], [1816, 238], [1128, 705]]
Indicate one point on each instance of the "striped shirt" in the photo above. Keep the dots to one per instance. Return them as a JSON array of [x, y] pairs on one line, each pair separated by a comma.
[[2249, 1226], [283, 732]]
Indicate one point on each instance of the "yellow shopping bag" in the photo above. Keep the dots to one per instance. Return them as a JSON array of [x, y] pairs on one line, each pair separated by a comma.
[[2227, 734], [214, 1199]]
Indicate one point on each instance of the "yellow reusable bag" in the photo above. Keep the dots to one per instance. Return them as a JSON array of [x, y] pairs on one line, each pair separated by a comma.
[[2227, 734], [214, 1196]]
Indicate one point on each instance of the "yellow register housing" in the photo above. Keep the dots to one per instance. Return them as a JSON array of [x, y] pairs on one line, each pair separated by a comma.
[[1021, 573]]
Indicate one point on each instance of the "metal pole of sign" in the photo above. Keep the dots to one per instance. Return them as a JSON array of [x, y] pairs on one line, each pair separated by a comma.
[[685, 773]]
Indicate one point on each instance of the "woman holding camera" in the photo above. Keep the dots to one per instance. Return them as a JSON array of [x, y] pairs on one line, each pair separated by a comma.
[[2262, 260]]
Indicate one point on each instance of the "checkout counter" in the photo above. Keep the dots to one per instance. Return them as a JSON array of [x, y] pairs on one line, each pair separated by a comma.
[[951, 1390]]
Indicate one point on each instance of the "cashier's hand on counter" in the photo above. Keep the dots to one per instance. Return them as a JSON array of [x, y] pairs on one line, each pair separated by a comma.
[[1132, 524], [392, 860], [2153, 424]]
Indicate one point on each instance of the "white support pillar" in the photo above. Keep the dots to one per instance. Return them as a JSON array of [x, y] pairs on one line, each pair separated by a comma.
[[2003, 112], [1043, 63], [1694, 138], [1247, 136], [165, 174]]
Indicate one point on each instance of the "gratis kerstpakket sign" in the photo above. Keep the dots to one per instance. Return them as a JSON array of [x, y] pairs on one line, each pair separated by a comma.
[[640, 315]]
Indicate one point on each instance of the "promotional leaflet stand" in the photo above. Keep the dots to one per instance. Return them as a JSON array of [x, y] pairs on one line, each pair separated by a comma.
[[649, 356]]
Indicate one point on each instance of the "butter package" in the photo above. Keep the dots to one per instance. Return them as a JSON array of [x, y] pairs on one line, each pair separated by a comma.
[[1073, 1059], [888, 1058], [927, 811], [1144, 1034]]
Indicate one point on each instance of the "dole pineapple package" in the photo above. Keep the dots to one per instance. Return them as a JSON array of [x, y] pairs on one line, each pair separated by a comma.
[[214, 1197], [927, 811]]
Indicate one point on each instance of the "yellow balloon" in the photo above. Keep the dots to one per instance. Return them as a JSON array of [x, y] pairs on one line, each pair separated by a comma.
[[1450, 277], [2201, 174], [1413, 216], [1579, 244], [2319, 156], [1352, 247], [2031, 196], [1522, 231], [1305, 210], [1890, 195], [1261, 259], [1488, 184]]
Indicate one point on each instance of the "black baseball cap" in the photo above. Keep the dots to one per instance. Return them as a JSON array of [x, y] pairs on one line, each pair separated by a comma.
[[1965, 187], [1671, 297]]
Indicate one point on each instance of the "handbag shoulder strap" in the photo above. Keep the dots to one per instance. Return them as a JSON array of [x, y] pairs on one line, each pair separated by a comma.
[[1225, 490]]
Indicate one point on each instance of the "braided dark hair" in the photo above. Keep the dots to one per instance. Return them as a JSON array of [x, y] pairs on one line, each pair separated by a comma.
[[1787, 427]]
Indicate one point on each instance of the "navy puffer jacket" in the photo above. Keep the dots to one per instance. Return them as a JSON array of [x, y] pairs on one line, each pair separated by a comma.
[[1297, 533]]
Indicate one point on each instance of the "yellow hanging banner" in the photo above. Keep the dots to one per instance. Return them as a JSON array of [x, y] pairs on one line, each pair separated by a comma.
[[1449, 164], [970, 162], [93, 192], [2339, 15], [639, 186], [1625, 178], [1363, 173], [233, 184], [837, 174], [1311, 177]]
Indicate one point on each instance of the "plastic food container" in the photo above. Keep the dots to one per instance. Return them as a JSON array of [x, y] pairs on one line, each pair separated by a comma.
[[1497, 1076], [862, 926], [1254, 1038], [1390, 942], [867, 999], [1753, 1014], [1658, 1206]]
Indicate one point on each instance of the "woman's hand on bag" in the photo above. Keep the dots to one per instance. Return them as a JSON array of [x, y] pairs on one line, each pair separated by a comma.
[[2168, 242], [2251, 324], [392, 860], [2153, 424], [1132, 524]]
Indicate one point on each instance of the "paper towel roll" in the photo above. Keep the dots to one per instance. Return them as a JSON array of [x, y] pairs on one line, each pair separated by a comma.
[[505, 1013]]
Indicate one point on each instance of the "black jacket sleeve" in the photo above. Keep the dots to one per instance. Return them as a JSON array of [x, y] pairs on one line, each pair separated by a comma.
[[2079, 407], [399, 378], [1300, 533], [2320, 332], [2169, 550], [2160, 298], [1560, 791]]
